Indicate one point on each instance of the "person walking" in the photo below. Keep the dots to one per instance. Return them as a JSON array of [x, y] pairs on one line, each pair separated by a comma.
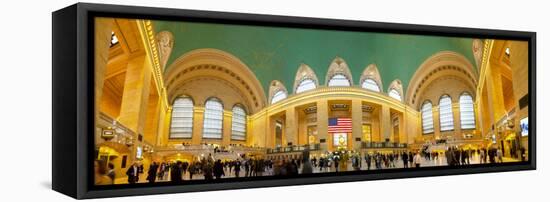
[[405, 159], [176, 172], [237, 168], [307, 168], [152, 173], [416, 160], [100, 173], [499, 155], [482, 156], [368, 159], [218, 169], [247, 168], [111, 173], [336, 163], [411, 158], [133, 174]]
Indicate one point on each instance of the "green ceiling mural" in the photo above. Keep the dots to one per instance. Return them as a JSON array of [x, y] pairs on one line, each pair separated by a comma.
[[276, 52]]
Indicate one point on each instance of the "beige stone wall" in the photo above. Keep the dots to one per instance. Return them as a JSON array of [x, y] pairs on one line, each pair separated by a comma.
[[520, 69], [137, 103], [453, 86], [295, 128]]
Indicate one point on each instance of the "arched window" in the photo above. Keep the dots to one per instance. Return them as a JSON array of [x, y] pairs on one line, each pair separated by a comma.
[[446, 120], [370, 84], [467, 117], [339, 80], [213, 119], [395, 94], [427, 118], [238, 124], [278, 96], [305, 85], [181, 125]]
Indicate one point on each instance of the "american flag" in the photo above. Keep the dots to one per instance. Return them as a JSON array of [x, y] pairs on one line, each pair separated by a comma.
[[339, 125]]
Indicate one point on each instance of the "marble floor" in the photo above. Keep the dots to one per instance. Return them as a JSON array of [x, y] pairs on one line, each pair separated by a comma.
[[397, 164]]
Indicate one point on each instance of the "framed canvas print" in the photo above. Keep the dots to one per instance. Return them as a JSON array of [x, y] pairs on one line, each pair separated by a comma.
[[156, 100]]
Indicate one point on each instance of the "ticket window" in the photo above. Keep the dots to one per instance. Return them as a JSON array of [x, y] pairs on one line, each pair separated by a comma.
[[312, 134], [367, 133], [278, 134]]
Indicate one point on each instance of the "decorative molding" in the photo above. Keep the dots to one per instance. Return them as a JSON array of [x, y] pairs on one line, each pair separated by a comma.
[[338, 66], [304, 72], [324, 92], [371, 72], [147, 34], [223, 62], [274, 87], [165, 44], [437, 62]]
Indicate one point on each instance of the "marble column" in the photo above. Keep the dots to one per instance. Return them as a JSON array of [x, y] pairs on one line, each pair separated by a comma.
[[385, 123], [291, 126], [322, 123], [102, 40], [357, 123], [135, 98], [456, 119], [136, 94], [437, 126], [226, 136], [198, 119], [494, 89], [165, 117]]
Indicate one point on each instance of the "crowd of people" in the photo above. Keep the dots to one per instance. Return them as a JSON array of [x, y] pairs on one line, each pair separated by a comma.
[[210, 168]]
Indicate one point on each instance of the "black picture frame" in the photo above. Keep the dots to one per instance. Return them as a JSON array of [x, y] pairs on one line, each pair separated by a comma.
[[73, 93]]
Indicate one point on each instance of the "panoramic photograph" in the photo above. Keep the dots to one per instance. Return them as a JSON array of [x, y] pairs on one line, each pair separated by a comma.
[[179, 101]]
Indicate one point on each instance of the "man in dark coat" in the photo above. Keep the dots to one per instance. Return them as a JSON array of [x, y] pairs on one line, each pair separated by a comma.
[[237, 168], [176, 172], [152, 173], [405, 158], [133, 174], [218, 169]]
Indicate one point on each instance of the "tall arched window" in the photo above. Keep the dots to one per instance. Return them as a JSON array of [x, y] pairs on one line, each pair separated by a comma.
[[339, 80], [278, 96], [238, 124], [467, 117], [395, 94], [427, 118], [370, 84], [305, 85], [213, 119], [446, 120], [181, 125]]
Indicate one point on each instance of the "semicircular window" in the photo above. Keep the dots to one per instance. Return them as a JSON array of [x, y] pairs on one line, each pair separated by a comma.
[[213, 119], [278, 96], [181, 125], [238, 124], [339, 80], [305, 85], [446, 120], [427, 118], [394, 94], [467, 117], [370, 84]]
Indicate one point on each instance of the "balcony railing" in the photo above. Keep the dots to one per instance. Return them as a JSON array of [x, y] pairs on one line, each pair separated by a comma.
[[298, 148], [202, 148], [369, 145]]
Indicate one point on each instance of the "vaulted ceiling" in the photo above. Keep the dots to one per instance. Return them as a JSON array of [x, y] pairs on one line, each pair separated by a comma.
[[275, 53]]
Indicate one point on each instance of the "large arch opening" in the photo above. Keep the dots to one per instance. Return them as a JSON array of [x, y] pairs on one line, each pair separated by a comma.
[[220, 74]]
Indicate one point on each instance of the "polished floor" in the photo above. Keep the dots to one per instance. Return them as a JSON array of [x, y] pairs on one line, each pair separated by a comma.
[[441, 161]]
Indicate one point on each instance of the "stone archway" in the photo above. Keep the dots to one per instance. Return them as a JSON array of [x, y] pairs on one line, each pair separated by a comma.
[[220, 66], [441, 64]]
